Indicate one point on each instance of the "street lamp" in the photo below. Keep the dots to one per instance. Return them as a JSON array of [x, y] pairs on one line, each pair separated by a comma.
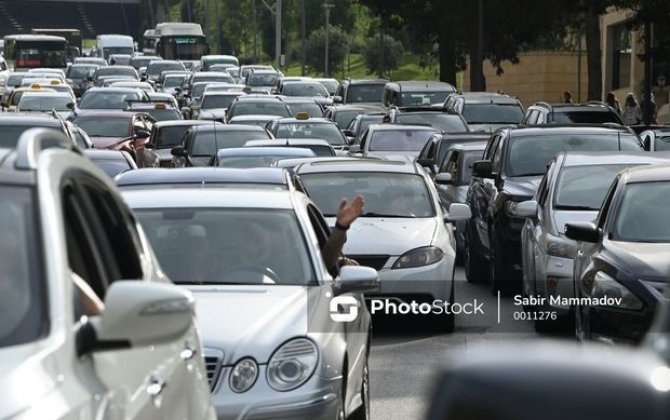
[[327, 6]]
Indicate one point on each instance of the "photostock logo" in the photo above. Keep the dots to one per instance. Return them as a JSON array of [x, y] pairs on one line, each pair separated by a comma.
[[344, 308]]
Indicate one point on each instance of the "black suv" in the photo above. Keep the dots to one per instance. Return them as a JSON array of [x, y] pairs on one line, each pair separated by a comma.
[[588, 113], [486, 111], [514, 161], [360, 91]]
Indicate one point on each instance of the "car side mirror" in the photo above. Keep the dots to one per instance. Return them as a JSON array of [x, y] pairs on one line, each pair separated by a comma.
[[358, 279], [178, 151], [425, 162], [348, 133], [142, 133], [583, 232], [444, 178], [525, 209], [139, 313], [458, 211], [482, 169], [71, 105], [337, 99]]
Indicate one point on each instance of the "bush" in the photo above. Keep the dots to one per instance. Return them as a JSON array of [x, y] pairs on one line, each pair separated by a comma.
[[337, 50], [393, 52]]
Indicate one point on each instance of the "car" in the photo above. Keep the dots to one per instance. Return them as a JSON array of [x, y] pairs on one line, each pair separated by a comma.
[[109, 98], [252, 157], [248, 68], [621, 276], [359, 125], [452, 180], [441, 119], [77, 75], [252, 178], [343, 115], [256, 105], [298, 104], [98, 61], [259, 120], [14, 125], [208, 60], [405, 233], [416, 93], [119, 59], [193, 96], [433, 152], [156, 67], [55, 328], [139, 61], [262, 78], [162, 97], [208, 76], [304, 127], [303, 88], [112, 162], [14, 97], [166, 135], [147, 87], [296, 362], [360, 91], [572, 190], [514, 162], [657, 139], [394, 141], [46, 102], [319, 146], [201, 142], [330, 84], [214, 105], [119, 130], [172, 83], [542, 113], [486, 111], [115, 72]]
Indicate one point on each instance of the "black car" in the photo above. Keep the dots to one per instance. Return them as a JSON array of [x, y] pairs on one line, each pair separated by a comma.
[[360, 91], [514, 161], [622, 269], [258, 105], [416, 93], [343, 115], [166, 135], [486, 111], [360, 124], [436, 148], [587, 113], [442, 119]]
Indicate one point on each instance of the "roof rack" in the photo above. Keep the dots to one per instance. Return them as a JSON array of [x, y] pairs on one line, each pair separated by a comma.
[[35, 140]]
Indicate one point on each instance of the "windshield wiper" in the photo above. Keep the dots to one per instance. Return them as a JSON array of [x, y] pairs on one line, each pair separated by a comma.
[[575, 207], [390, 216]]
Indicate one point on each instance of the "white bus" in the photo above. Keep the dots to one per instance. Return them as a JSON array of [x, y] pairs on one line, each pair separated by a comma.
[[24, 52]]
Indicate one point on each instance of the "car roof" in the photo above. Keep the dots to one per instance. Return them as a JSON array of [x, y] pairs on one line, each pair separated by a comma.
[[293, 162], [254, 117], [211, 198], [265, 151], [111, 89], [287, 142], [182, 123], [108, 113], [314, 120], [264, 71], [28, 119], [576, 158], [203, 175], [467, 137], [358, 165], [47, 94], [488, 98], [586, 106], [228, 127], [467, 147], [399, 127], [649, 173], [584, 129]]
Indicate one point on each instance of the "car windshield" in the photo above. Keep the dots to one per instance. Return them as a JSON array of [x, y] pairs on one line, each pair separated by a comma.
[[166, 114], [169, 137], [344, 118], [325, 131], [449, 123], [173, 81], [155, 69], [263, 79], [312, 108], [79, 72], [105, 99], [259, 108], [584, 117], [206, 144], [662, 143], [424, 98], [105, 126], [492, 113], [529, 155], [469, 158], [22, 309], [44, 103], [204, 77], [116, 71], [217, 101], [330, 85], [229, 246], [365, 93], [642, 207], [248, 161], [399, 140], [304, 89], [385, 194], [584, 187]]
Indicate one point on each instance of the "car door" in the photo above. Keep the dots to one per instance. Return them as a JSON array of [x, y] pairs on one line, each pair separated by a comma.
[[480, 194], [531, 235], [446, 192]]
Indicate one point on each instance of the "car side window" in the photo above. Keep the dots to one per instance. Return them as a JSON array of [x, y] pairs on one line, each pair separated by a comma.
[[319, 225], [450, 165], [607, 203], [490, 148], [497, 156], [364, 139]]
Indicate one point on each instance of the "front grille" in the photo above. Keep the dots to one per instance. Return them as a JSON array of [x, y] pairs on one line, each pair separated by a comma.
[[213, 360], [375, 261]]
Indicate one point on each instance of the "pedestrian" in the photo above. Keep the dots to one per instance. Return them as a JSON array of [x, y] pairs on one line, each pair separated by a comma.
[[632, 113], [648, 108], [567, 97], [613, 103]]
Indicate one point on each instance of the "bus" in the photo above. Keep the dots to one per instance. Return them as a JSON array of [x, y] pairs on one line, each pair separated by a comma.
[[149, 41], [72, 36], [181, 41], [24, 52]]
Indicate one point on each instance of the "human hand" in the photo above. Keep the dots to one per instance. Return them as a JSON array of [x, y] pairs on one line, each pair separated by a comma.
[[348, 212]]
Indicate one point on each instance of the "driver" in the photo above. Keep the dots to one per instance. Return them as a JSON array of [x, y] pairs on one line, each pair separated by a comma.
[[400, 203]]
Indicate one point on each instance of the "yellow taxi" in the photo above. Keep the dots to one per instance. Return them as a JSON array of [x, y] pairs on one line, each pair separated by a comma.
[[16, 95]]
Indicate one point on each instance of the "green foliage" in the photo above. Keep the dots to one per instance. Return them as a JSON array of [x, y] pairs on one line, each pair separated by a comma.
[[338, 42], [393, 52]]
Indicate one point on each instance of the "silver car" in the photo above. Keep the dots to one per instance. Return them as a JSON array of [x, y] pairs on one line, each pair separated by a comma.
[[254, 260], [572, 190]]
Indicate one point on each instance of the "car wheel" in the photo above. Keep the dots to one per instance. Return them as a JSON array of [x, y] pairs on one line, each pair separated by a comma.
[[476, 270], [363, 412], [501, 279]]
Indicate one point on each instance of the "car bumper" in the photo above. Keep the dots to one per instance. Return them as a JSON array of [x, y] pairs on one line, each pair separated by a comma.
[[420, 283], [317, 399]]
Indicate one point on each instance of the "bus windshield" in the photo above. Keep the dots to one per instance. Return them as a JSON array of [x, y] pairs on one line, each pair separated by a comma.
[[32, 54], [182, 47]]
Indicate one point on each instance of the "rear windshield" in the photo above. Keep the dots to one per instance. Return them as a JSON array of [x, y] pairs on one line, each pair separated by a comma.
[[584, 187], [584, 117], [492, 113], [365, 93], [399, 141]]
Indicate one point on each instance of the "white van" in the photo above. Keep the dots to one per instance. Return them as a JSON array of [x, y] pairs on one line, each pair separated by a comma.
[[114, 44]]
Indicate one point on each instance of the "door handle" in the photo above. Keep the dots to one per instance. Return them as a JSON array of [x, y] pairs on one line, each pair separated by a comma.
[[156, 386]]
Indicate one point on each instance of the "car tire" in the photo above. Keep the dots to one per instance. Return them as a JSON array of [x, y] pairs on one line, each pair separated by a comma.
[[500, 277], [476, 270], [363, 412]]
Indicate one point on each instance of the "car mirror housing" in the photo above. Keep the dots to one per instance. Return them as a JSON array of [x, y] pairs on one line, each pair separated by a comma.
[[141, 313], [337, 99], [583, 232], [482, 169], [458, 211], [178, 151], [525, 209], [358, 279], [444, 178]]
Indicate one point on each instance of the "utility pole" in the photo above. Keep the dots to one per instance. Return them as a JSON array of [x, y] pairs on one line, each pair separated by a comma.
[[188, 11], [253, 5], [278, 34], [327, 6], [303, 41], [647, 111], [381, 46], [219, 36]]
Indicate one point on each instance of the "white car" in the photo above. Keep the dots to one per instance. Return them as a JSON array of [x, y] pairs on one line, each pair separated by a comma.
[[404, 232], [68, 241]]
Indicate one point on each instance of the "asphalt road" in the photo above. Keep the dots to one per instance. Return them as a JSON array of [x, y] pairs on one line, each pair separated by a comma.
[[403, 358]]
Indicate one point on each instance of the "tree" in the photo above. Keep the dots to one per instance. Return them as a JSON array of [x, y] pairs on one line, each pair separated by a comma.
[[338, 46], [393, 52]]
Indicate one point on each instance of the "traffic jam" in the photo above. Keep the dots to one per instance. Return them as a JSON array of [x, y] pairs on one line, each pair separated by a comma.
[[185, 236]]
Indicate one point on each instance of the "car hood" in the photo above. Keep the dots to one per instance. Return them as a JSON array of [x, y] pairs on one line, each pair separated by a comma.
[[647, 261], [561, 217], [523, 187], [401, 156], [387, 236], [253, 320], [489, 128], [108, 142]]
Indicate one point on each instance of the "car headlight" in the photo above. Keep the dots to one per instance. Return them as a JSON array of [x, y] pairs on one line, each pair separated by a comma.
[[605, 286], [560, 247], [292, 364], [244, 375], [419, 257]]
